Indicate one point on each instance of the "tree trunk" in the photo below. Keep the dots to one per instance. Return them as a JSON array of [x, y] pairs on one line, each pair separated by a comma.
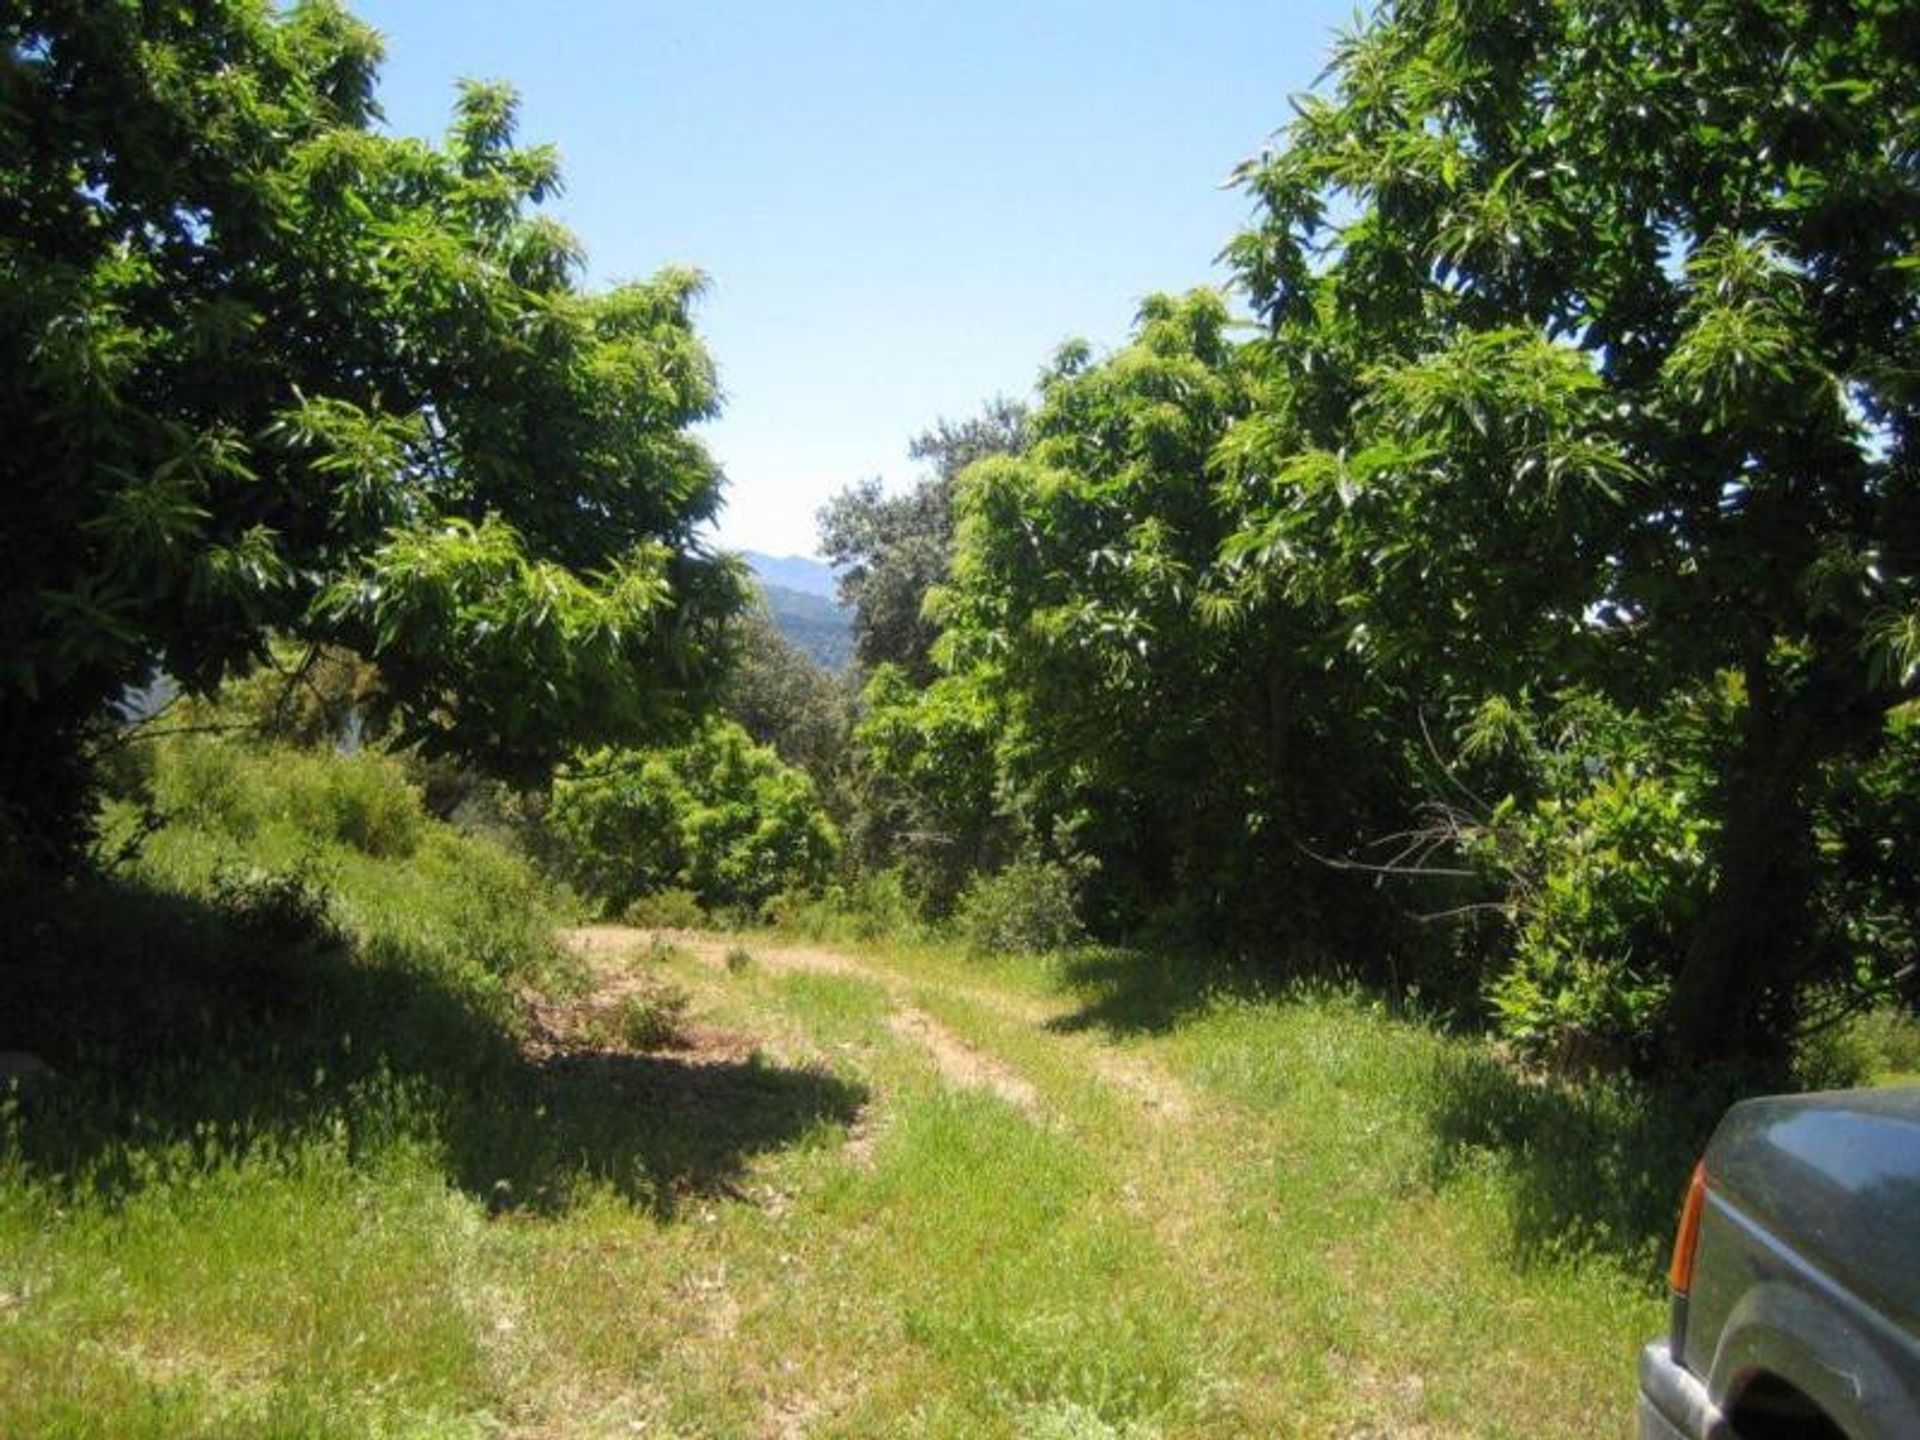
[[1750, 937]]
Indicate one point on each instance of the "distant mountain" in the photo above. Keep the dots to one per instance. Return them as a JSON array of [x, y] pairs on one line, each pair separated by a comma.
[[793, 572], [812, 624]]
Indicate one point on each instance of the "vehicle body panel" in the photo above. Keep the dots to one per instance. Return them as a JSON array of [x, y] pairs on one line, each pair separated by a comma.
[[1806, 1274]]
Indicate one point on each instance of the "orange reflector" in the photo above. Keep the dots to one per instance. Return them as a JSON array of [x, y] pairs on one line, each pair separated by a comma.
[[1680, 1273]]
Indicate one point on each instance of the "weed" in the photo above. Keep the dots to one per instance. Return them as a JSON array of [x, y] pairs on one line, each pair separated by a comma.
[[739, 960], [654, 1019]]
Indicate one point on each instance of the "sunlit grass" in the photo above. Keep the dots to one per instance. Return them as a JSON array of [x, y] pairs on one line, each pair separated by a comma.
[[367, 1185]]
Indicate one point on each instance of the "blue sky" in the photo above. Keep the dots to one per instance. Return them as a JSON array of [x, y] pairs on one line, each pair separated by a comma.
[[902, 208]]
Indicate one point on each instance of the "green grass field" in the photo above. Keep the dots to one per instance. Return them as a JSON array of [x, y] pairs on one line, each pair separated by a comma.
[[349, 1143]]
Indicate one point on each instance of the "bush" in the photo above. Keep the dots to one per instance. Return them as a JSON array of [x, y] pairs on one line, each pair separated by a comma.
[[363, 800], [1605, 871], [879, 906], [453, 903], [205, 784], [1027, 909], [667, 910], [484, 905], [654, 1019], [1875, 1046], [282, 907], [719, 816]]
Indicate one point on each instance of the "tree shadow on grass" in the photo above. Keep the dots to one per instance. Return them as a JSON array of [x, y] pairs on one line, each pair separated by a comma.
[[1582, 1167], [1595, 1166], [1149, 991], [178, 1034]]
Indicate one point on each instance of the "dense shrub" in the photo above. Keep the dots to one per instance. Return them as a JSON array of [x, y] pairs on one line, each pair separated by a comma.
[[873, 905], [294, 845], [363, 800], [1615, 878], [292, 907], [667, 910], [1027, 909], [718, 816], [1597, 853]]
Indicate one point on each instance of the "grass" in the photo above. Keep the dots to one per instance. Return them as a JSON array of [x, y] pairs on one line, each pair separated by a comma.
[[344, 1145]]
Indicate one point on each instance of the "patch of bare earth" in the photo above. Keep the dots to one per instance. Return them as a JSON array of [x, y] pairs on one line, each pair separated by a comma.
[[960, 1063], [1161, 1095], [577, 1028]]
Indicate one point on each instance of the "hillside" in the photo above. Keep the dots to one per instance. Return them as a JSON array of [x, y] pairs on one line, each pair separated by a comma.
[[747, 1185], [800, 595], [794, 572]]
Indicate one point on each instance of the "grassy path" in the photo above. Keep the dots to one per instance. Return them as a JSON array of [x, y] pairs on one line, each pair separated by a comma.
[[731, 1186], [1044, 1224]]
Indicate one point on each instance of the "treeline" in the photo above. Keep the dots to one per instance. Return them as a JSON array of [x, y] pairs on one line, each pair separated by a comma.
[[1522, 606], [1506, 589]]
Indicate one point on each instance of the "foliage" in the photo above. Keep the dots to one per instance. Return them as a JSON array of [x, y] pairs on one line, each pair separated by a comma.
[[1598, 854], [310, 696], [1867, 906], [1026, 909], [718, 816], [1871, 1047], [784, 699], [876, 905], [272, 371], [285, 907], [666, 910], [927, 782], [363, 800], [300, 845], [1580, 321], [891, 550], [1136, 726], [654, 1018]]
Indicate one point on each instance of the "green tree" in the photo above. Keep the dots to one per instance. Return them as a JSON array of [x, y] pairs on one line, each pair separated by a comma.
[[1592, 336], [891, 550], [784, 699], [271, 372], [928, 781], [1185, 749], [719, 816]]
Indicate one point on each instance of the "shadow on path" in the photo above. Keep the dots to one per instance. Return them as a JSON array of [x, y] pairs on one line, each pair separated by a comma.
[[183, 1041], [1126, 991]]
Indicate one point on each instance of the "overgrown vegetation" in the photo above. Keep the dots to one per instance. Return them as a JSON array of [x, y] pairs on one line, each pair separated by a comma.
[[273, 372], [1514, 627], [1524, 613]]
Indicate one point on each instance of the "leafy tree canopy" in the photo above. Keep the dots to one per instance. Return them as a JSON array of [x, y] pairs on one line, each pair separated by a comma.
[[892, 549], [1591, 357], [1184, 757], [718, 815], [270, 371]]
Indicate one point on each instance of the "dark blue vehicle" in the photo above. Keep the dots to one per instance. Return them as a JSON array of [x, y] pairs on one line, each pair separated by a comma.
[[1796, 1277]]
